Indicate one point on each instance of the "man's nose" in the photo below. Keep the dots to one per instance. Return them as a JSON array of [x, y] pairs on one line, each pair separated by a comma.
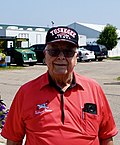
[[61, 55]]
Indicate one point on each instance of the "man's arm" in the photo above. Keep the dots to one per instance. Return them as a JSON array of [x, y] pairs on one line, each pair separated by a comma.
[[9, 142], [108, 141]]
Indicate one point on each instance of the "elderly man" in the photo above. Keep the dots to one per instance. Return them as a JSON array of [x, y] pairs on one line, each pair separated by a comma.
[[60, 107]]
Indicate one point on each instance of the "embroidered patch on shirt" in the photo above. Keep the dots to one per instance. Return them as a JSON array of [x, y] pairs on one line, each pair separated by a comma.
[[42, 108]]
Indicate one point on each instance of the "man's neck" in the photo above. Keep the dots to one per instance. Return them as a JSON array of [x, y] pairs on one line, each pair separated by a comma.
[[63, 81]]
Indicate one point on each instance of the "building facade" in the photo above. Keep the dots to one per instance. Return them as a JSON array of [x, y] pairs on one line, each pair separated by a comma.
[[35, 35], [92, 32], [88, 33]]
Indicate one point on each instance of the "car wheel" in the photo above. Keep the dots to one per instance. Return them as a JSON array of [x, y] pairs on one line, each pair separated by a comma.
[[87, 60], [31, 64], [43, 61], [100, 59]]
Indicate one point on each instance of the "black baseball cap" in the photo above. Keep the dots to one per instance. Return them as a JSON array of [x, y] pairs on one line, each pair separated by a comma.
[[62, 33]]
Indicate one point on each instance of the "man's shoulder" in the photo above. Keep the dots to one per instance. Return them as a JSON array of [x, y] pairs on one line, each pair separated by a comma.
[[84, 80], [37, 82]]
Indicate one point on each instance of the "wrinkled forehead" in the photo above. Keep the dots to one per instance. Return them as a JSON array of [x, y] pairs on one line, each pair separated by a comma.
[[61, 44]]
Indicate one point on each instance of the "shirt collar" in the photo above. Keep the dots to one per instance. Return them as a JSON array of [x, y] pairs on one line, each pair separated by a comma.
[[46, 80], [77, 80], [52, 83]]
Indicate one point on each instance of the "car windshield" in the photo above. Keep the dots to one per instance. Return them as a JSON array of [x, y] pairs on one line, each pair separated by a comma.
[[32, 48], [82, 49], [95, 48], [40, 47], [103, 48]]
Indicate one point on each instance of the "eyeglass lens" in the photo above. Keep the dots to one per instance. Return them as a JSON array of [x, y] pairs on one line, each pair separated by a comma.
[[56, 52]]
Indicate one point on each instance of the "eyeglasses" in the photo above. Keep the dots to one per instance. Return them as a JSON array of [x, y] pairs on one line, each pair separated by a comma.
[[67, 52]]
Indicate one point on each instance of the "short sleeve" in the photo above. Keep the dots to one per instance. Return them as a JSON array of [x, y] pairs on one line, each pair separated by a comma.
[[14, 125], [107, 127]]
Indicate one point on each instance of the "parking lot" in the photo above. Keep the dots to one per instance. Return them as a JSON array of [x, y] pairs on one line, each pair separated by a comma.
[[105, 72]]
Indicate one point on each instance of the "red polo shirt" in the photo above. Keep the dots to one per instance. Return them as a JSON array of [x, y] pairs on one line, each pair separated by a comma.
[[49, 116]]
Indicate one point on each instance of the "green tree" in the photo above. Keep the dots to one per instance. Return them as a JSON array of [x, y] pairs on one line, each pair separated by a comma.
[[108, 37]]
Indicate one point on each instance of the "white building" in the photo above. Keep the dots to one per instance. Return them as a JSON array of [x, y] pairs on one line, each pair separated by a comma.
[[87, 33], [35, 34], [92, 32]]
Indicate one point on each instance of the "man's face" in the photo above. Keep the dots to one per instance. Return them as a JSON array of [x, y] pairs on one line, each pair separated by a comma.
[[60, 57]]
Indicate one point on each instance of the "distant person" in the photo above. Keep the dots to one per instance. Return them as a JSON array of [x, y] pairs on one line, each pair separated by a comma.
[[60, 107]]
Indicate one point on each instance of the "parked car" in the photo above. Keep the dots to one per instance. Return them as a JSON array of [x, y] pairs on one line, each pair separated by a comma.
[[85, 55], [38, 49], [99, 50], [16, 52]]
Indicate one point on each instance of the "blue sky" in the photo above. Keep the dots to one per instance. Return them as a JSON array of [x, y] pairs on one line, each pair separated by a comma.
[[62, 12]]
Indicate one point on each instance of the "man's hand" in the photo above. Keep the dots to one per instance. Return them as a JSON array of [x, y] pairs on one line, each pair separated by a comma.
[[108, 141], [9, 142]]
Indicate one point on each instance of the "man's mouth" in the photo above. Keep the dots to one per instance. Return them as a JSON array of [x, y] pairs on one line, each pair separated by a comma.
[[61, 64]]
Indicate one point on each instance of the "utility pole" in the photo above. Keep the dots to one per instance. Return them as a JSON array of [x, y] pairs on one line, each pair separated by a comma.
[[52, 22]]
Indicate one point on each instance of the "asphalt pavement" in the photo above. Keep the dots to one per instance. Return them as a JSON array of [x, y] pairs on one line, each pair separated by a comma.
[[105, 73]]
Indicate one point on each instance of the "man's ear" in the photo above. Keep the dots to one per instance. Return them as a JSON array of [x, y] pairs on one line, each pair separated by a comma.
[[44, 51], [76, 58]]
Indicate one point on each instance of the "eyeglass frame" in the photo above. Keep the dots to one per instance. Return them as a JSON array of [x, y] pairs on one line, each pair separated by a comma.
[[69, 53]]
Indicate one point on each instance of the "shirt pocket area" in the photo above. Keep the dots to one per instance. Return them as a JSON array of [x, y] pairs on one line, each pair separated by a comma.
[[90, 123]]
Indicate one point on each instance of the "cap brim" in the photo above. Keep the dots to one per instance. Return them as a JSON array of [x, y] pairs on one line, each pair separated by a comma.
[[58, 40]]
